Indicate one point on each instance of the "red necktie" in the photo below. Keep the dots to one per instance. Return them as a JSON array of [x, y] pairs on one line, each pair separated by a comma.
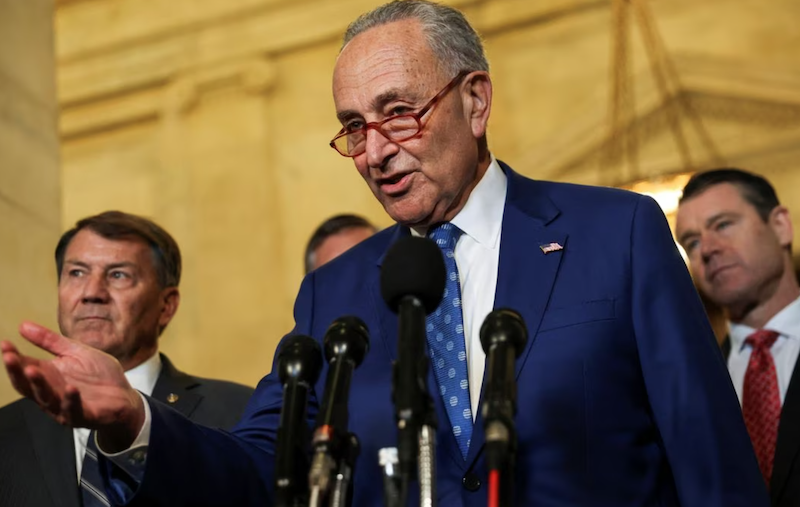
[[761, 400]]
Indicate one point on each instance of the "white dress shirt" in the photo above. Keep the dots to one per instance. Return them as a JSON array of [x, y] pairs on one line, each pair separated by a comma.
[[784, 351], [477, 256], [142, 378]]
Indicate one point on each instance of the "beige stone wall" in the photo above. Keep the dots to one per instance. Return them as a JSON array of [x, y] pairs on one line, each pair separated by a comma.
[[29, 175], [214, 118]]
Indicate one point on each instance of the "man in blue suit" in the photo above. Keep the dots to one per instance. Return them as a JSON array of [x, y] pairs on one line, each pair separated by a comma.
[[624, 400]]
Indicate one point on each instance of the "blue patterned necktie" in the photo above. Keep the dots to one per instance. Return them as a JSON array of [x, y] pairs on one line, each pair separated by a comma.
[[446, 344], [92, 491]]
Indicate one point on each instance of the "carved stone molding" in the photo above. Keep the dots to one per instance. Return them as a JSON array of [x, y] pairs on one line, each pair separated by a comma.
[[175, 97], [137, 56], [180, 96], [717, 90]]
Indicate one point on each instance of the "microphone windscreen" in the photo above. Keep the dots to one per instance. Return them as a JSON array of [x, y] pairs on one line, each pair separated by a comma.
[[300, 358], [504, 325], [347, 336], [413, 266]]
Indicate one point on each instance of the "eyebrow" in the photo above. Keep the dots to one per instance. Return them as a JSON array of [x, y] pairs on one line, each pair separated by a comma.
[[124, 264], [719, 215], [685, 236], [709, 221], [376, 104]]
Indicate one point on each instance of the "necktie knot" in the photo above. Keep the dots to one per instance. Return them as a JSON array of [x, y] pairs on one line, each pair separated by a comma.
[[445, 235], [91, 481], [763, 339]]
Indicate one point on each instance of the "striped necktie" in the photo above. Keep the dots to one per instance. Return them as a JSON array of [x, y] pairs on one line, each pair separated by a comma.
[[92, 491]]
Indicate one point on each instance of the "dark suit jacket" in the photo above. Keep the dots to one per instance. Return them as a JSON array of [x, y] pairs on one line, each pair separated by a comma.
[[784, 488], [37, 455], [624, 399]]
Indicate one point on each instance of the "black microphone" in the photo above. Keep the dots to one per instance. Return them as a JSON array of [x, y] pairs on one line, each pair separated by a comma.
[[503, 337], [412, 284], [299, 366], [413, 270], [346, 343]]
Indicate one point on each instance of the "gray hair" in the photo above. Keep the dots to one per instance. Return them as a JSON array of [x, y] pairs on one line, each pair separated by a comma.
[[455, 43]]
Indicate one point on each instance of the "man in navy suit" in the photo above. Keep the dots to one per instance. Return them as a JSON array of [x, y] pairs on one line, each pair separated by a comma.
[[738, 238], [623, 396]]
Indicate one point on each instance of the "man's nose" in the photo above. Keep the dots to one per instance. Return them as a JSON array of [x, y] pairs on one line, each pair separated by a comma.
[[95, 290], [709, 246], [379, 148]]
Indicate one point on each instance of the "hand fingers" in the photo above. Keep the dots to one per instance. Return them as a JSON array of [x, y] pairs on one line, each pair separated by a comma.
[[43, 392], [9, 351], [71, 407], [13, 363], [7, 346], [12, 353], [45, 338]]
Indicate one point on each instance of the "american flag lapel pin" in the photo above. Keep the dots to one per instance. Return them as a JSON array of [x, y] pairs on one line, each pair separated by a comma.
[[551, 247]]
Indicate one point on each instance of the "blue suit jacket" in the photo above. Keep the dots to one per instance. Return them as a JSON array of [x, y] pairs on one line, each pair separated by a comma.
[[624, 399]]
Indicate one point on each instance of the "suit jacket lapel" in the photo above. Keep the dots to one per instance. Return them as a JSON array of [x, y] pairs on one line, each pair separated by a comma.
[[173, 388], [788, 445], [524, 269], [55, 451], [526, 273]]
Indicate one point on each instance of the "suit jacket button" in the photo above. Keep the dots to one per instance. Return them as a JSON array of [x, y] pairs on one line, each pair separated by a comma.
[[471, 482], [172, 398]]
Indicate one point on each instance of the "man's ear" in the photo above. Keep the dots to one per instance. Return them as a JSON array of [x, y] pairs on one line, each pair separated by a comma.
[[170, 299], [477, 95], [780, 221]]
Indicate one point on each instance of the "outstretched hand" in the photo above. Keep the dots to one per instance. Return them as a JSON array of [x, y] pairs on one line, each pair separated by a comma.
[[80, 386]]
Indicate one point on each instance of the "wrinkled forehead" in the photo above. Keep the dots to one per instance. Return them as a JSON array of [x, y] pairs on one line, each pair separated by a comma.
[[714, 201], [720, 197], [384, 59], [89, 247]]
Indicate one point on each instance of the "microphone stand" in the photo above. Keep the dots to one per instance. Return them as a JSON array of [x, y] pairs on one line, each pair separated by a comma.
[[322, 465], [335, 449], [501, 452], [415, 413], [427, 466], [299, 364], [292, 466], [341, 452], [347, 461], [413, 277], [427, 438], [503, 337], [387, 460]]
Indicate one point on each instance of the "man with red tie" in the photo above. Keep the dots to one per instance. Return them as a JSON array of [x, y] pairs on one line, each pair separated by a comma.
[[738, 238]]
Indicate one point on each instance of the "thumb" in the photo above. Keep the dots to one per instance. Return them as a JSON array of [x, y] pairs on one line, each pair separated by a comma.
[[45, 339]]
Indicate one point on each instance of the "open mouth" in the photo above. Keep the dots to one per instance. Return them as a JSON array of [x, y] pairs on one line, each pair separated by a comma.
[[394, 179], [396, 184]]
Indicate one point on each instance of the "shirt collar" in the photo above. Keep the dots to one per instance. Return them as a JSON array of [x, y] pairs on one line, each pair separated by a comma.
[[786, 322], [481, 218], [143, 377]]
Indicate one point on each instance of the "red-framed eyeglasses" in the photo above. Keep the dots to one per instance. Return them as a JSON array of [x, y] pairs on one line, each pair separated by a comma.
[[397, 129]]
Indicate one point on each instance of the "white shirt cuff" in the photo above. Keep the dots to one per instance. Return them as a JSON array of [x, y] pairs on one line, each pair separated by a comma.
[[132, 459]]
